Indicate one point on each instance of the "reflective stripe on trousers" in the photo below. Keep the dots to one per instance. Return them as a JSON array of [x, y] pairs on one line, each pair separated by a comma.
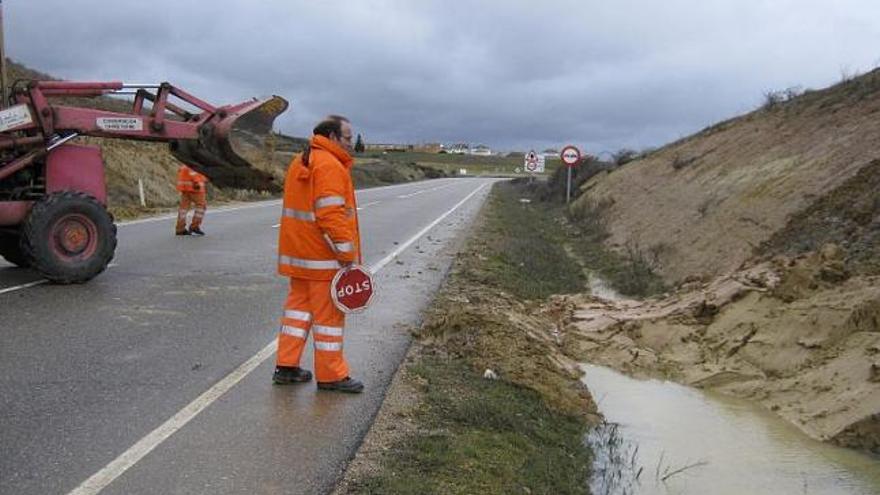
[[308, 309]]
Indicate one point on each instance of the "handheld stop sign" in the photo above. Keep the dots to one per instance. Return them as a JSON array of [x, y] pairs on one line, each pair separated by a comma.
[[352, 289]]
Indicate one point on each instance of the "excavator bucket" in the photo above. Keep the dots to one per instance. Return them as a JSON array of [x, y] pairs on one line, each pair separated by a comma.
[[234, 148]]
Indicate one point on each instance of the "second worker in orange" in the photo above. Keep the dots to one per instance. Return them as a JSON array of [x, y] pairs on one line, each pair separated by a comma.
[[193, 192]]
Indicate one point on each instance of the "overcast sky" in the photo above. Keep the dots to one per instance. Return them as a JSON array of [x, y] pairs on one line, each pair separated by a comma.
[[509, 74]]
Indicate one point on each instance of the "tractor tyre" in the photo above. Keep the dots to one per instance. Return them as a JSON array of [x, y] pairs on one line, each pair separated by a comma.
[[10, 250], [68, 237]]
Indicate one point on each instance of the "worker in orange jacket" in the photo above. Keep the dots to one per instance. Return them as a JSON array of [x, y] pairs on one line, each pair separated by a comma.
[[319, 236], [193, 192]]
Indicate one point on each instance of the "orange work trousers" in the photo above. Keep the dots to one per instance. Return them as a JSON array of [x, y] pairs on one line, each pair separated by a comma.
[[187, 199], [309, 307]]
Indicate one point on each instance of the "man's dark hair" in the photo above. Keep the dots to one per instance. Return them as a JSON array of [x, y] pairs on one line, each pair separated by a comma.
[[330, 126]]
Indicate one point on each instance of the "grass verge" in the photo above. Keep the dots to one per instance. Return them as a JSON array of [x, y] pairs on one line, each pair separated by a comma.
[[483, 436], [520, 433], [523, 432], [630, 272]]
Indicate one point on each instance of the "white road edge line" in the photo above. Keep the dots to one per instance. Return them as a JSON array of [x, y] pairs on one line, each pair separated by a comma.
[[384, 261], [38, 282], [100, 480], [259, 204], [22, 286]]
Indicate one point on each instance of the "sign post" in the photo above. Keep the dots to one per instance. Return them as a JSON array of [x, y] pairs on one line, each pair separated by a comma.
[[571, 155], [4, 94]]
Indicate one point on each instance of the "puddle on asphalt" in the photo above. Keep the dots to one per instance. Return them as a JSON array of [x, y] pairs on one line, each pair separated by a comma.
[[664, 438]]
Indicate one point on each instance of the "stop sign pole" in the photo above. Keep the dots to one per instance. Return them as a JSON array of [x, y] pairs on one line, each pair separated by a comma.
[[570, 155]]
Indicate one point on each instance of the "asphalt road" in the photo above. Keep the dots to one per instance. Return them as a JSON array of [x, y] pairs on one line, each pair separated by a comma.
[[155, 377]]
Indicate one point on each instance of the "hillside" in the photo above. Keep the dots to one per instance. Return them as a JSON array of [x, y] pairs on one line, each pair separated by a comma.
[[768, 225], [745, 178]]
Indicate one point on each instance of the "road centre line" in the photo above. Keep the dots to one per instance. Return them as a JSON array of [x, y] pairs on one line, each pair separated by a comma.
[[106, 475], [404, 196], [420, 191]]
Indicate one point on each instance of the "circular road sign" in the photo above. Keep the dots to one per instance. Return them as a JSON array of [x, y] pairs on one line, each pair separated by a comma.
[[352, 289], [571, 155]]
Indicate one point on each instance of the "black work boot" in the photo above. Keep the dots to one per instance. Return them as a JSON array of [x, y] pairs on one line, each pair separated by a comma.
[[285, 375], [196, 231], [348, 385], [182, 232]]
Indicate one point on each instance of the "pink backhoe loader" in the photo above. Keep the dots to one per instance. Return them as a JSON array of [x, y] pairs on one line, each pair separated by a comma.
[[53, 215]]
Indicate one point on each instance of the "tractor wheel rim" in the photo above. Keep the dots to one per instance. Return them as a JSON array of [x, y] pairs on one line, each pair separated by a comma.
[[74, 237]]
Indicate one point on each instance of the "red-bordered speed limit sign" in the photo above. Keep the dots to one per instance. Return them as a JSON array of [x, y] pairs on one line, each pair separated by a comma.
[[570, 155], [352, 289]]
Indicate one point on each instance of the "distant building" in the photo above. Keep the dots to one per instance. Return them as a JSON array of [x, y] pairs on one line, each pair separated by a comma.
[[428, 147], [481, 150], [388, 147], [459, 149], [550, 153]]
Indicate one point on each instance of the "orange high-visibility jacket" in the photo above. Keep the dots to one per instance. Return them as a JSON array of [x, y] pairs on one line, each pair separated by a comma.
[[319, 225], [188, 180]]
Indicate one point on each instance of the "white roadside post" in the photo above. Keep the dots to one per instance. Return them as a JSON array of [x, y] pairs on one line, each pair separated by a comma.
[[4, 93], [570, 155], [141, 192]]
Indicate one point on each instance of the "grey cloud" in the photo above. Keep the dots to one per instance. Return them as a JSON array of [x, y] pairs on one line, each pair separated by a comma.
[[510, 74]]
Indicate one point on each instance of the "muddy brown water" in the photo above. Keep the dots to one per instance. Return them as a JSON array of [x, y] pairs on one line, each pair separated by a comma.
[[665, 438]]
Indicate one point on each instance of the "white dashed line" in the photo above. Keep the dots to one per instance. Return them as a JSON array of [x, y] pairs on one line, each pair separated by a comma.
[[404, 196], [23, 286]]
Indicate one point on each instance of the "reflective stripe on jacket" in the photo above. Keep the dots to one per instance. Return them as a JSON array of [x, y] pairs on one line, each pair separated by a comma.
[[188, 180], [319, 226]]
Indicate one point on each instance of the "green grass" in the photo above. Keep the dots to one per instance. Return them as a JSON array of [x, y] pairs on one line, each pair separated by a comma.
[[483, 437], [525, 247], [630, 272]]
